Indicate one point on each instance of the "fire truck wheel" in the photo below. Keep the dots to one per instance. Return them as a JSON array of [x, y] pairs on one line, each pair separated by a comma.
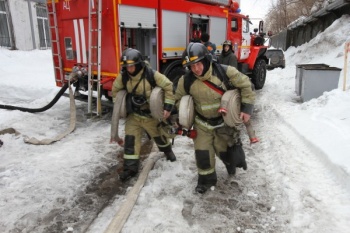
[[105, 92], [174, 71], [259, 74]]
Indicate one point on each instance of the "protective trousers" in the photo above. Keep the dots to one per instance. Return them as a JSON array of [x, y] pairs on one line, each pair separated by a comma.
[[208, 143], [134, 129]]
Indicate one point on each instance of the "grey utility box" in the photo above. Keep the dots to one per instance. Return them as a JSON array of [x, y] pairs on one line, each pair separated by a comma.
[[299, 74], [316, 79]]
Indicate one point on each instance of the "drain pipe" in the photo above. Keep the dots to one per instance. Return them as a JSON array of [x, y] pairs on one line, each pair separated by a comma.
[[31, 23]]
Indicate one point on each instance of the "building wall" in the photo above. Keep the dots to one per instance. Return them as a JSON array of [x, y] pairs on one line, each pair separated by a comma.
[[25, 23], [21, 24], [304, 31]]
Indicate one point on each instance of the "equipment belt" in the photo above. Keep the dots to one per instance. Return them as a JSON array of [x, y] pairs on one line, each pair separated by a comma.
[[144, 112], [211, 121]]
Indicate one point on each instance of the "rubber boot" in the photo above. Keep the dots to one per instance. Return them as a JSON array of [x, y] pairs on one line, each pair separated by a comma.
[[170, 156], [205, 182], [130, 169]]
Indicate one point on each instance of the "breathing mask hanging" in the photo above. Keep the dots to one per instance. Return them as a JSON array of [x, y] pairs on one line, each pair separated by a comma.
[[138, 100]]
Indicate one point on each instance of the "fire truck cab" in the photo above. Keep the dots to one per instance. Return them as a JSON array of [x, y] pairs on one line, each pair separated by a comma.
[[88, 37]]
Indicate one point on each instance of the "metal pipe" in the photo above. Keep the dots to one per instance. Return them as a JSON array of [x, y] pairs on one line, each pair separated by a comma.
[[31, 23]]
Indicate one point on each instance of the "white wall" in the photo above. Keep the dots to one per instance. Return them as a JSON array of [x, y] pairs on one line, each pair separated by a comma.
[[22, 24]]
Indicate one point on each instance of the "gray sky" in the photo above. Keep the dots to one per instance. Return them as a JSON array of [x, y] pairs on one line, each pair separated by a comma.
[[255, 8]]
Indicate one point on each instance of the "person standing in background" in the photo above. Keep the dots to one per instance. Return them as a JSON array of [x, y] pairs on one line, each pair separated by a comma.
[[209, 45], [228, 57]]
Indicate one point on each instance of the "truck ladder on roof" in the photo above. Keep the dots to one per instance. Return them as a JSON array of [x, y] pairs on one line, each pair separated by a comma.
[[94, 61], [55, 42]]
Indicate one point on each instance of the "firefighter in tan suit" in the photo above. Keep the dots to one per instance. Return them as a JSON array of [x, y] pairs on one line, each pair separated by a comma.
[[138, 86], [210, 140]]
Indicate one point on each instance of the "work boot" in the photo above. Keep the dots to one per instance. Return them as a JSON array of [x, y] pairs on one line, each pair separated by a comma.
[[201, 188], [126, 175], [130, 169], [170, 156], [205, 182]]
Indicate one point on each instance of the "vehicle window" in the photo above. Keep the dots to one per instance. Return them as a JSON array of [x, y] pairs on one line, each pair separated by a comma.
[[69, 49], [234, 26], [245, 26]]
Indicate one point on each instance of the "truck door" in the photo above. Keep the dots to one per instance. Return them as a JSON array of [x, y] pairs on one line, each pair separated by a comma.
[[238, 33], [245, 48], [174, 37], [138, 31], [218, 32]]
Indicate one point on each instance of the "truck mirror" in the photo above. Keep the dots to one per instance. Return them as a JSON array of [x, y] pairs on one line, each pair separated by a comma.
[[261, 26]]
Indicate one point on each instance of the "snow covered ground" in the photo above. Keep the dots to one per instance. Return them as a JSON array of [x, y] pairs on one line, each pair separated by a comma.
[[298, 177]]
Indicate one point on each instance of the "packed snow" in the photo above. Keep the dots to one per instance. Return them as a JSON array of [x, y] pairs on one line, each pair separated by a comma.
[[298, 176]]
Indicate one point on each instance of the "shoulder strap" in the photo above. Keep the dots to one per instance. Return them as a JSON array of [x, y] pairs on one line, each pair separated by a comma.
[[124, 78], [221, 72], [188, 81], [150, 76]]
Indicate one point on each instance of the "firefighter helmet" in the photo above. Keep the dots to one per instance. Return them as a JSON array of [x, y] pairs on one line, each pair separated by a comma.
[[131, 57], [194, 53], [227, 42]]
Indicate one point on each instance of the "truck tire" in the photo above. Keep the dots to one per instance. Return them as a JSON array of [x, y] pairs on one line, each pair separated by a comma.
[[258, 75], [174, 71]]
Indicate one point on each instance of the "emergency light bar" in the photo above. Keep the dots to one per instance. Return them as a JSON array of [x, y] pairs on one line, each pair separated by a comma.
[[216, 2]]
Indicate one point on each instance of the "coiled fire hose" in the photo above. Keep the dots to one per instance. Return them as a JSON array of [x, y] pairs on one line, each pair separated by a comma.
[[231, 105], [119, 111]]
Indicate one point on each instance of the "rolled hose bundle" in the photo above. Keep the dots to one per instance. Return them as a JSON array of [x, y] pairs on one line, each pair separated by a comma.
[[119, 111], [231, 102], [156, 103], [186, 112]]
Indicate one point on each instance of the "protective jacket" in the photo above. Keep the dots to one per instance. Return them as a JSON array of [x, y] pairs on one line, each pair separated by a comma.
[[211, 137], [207, 101], [141, 119], [228, 58], [144, 87]]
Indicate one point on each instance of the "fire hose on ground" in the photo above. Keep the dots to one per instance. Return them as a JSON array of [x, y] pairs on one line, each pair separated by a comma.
[[47, 141]]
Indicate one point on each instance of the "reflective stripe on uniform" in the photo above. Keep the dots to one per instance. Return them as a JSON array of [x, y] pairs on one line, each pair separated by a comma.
[[140, 116], [131, 156], [206, 107], [169, 101], [206, 172], [207, 125], [165, 145]]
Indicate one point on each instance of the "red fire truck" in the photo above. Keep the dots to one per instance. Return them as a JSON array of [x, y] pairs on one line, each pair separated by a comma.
[[88, 37]]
